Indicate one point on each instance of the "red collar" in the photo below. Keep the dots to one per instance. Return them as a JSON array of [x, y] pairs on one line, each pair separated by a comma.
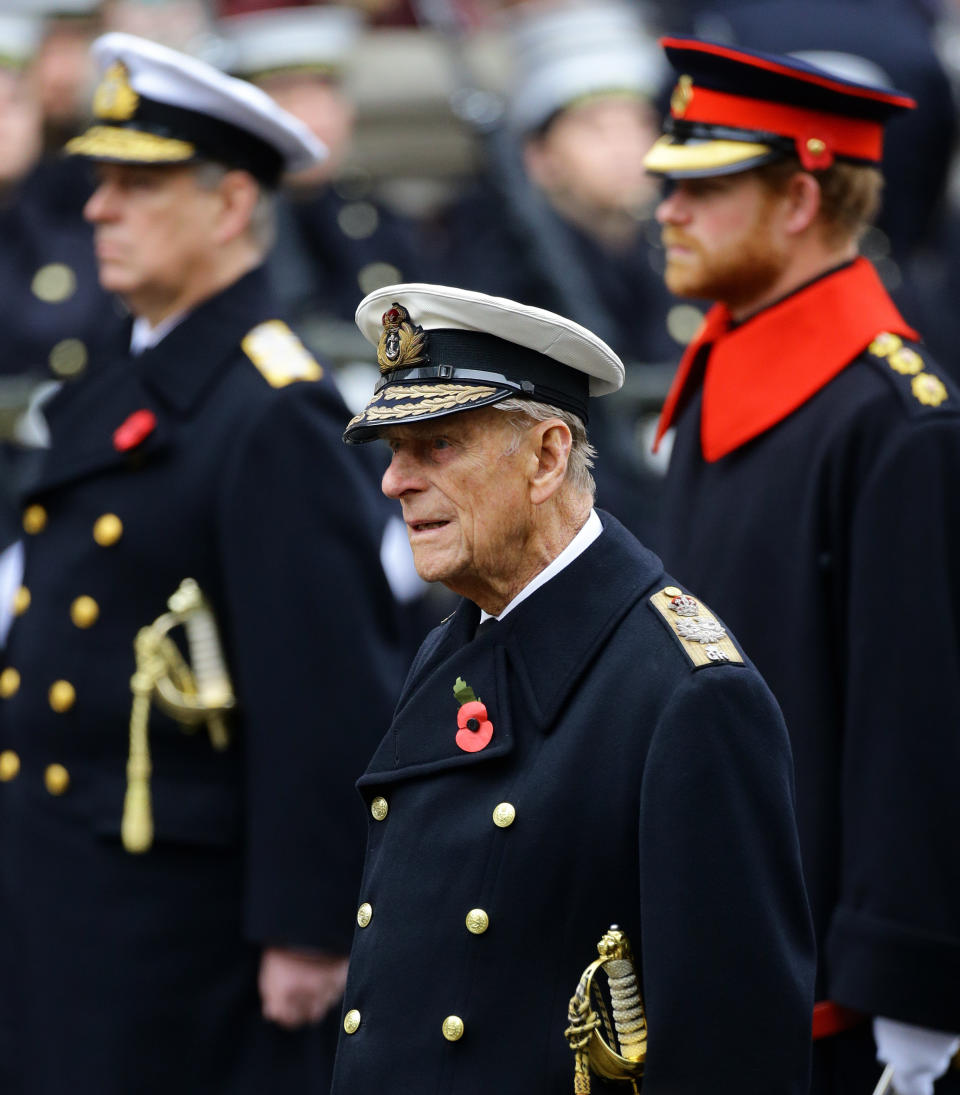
[[762, 371]]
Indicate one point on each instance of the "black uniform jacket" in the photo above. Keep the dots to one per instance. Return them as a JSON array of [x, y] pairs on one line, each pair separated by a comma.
[[53, 313], [137, 973], [813, 500], [620, 785]]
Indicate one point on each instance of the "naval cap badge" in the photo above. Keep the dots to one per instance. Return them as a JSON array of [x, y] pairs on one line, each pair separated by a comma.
[[114, 99], [401, 342]]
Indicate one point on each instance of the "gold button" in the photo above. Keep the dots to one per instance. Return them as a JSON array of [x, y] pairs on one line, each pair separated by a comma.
[[453, 1028], [107, 529], [379, 808], [816, 146], [9, 682], [68, 358], [375, 275], [84, 611], [62, 696], [21, 601], [351, 1021], [34, 519], [672, 591], [9, 765], [683, 323], [504, 815], [56, 778], [477, 921], [364, 914], [885, 344], [54, 282]]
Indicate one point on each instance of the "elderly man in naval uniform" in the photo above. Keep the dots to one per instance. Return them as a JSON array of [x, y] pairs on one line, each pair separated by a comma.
[[580, 744]]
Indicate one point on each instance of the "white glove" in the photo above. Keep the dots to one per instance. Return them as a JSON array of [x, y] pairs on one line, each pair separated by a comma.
[[919, 1056]]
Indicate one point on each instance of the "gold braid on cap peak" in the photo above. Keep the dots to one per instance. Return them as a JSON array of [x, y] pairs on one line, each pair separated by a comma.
[[401, 342]]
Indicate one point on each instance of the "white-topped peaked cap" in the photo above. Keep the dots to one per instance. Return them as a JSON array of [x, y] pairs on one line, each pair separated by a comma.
[[156, 105], [573, 51], [19, 39], [315, 39], [443, 350]]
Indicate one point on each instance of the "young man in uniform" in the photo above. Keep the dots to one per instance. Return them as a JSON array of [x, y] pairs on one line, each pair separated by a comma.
[[812, 497]]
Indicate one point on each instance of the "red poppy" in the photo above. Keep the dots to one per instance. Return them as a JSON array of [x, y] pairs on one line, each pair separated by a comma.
[[475, 729], [136, 429]]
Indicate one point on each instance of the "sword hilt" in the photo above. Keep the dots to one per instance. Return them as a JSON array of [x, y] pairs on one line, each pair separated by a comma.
[[622, 1055]]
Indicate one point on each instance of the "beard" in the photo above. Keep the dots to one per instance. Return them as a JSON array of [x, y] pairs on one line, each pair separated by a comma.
[[736, 272]]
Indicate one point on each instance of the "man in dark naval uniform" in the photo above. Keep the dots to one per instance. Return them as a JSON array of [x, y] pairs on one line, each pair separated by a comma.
[[580, 744], [812, 496], [195, 946]]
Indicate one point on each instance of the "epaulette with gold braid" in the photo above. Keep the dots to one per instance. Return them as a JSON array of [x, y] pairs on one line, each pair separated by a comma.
[[279, 354], [702, 636], [908, 368]]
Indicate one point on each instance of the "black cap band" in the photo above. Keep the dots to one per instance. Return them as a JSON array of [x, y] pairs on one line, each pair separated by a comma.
[[213, 138], [486, 359]]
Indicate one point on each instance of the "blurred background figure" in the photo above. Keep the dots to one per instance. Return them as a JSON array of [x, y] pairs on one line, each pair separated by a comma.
[[181, 24], [52, 311], [335, 241], [64, 74], [561, 217]]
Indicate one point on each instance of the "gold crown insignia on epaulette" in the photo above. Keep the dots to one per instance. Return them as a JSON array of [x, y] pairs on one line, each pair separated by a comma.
[[927, 388], [401, 342], [279, 355], [704, 638]]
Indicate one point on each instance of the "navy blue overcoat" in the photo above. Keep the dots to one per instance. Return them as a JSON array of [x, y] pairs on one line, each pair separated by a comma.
[[622, 784], [138, 973]]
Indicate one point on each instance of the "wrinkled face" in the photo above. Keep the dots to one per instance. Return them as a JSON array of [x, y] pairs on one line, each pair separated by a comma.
[[593, 154], [153, 231], [721, 240], [463, 485]]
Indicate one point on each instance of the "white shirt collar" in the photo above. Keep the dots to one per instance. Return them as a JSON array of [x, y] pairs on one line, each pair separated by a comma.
[[144, 337], [577, 546]]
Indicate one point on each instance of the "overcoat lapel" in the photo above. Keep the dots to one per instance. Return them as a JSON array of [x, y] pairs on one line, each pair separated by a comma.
[[167, 380], [83, 420], [524, 669]]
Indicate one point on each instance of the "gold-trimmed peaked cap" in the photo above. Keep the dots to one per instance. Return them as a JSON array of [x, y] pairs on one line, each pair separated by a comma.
[[442, 350], [733, 109], [155, 105]]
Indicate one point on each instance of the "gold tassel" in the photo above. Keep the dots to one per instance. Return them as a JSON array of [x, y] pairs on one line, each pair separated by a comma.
[[136, 829]]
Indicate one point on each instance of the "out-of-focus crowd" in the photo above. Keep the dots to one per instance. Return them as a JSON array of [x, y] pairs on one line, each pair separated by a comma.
[[469, 145]]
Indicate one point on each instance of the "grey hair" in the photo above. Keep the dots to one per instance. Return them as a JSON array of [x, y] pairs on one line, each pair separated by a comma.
[[523, 412], [262, 228]]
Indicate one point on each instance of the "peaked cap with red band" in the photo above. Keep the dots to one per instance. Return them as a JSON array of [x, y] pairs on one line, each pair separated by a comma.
[[733, 109]]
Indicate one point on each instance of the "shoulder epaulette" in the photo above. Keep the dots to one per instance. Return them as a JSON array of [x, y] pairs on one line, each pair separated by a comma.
[[914, 378], [279, 354], [701, 635]]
